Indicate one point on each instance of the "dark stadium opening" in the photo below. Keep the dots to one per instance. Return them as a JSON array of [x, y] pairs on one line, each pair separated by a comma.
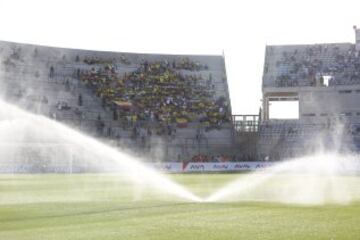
[[288, 109]]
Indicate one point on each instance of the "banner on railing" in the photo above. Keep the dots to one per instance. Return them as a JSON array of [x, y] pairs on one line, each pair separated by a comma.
[[224, 167]]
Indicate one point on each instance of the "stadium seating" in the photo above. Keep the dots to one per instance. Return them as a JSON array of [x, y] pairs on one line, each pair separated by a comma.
[[281, 139], [305, 65], [141, 102]]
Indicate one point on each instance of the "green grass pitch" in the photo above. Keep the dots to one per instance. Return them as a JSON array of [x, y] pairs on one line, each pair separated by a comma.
[[105, 207]]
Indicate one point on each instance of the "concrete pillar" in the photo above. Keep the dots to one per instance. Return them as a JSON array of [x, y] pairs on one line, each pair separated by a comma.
[[265, 107]]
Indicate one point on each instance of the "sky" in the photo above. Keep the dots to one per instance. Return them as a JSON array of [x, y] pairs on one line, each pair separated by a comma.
[[239, 29]]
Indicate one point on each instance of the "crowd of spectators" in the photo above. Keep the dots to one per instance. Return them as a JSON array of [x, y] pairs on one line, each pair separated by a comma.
[[187, 64], [225, 158], [306, 66], [210, 158], [156, 93], [348, 65], [99, 61]]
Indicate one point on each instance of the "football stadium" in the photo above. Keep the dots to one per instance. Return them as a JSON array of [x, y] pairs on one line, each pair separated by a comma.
[[122, 145]]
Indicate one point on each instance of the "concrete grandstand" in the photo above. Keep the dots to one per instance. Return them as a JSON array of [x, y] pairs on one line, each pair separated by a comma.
[[170, 107], [324, 81]]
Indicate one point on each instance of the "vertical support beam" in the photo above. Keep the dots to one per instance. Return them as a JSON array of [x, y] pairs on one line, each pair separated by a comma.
[[265, 107]]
